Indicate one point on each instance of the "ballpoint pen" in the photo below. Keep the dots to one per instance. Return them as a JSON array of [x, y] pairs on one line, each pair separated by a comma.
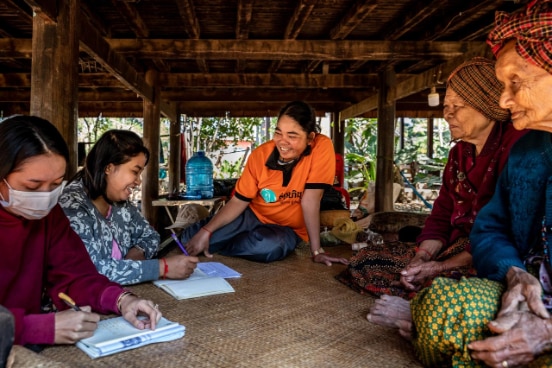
[[70, 302], [173, 234]]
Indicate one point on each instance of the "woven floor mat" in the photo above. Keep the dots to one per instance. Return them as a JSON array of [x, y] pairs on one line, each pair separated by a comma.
[[291, 313]]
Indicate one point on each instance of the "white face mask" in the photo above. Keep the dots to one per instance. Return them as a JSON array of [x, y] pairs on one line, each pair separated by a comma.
[[31, 205]]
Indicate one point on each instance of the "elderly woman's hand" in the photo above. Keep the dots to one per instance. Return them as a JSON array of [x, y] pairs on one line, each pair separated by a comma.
[[418, 271], [522, 337], [524, 290]]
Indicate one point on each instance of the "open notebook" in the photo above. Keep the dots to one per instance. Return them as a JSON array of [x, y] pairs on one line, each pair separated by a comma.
[[116, 334], [200, 283]]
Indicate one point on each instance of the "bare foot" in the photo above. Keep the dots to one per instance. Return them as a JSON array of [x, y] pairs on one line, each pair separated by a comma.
[[392, 311]]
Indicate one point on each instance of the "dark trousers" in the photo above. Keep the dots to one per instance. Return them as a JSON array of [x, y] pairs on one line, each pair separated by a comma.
[[248, 238], [7, 331]]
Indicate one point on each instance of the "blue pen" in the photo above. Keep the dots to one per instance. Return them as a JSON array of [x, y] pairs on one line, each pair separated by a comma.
[[178, 242]]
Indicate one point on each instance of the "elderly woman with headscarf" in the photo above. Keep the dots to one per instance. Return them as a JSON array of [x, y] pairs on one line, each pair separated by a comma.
[[503, 318], [483, 136]]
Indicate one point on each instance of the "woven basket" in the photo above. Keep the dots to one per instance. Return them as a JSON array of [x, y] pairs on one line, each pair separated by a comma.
[[328, 217]]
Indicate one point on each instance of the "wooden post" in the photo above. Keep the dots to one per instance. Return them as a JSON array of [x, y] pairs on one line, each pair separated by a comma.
[[386, 132], [54, 73], [150, 182], [175, 155], [430, 128], [338, 134]]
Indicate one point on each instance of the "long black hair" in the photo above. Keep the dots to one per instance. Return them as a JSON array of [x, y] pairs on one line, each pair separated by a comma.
[[23, 137], [114, 147]]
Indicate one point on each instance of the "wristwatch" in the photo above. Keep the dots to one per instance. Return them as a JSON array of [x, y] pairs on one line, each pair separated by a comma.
[[317, 252]]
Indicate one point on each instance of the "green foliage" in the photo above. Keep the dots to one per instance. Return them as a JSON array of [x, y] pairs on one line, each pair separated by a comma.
[[229, 170], [214, 134], [360, 148]]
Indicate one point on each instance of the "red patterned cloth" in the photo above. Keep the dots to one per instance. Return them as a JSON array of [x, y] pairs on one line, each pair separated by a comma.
[[531, 28]]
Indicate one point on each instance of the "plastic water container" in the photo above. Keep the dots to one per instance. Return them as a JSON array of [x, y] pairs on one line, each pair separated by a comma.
[[199, 176]]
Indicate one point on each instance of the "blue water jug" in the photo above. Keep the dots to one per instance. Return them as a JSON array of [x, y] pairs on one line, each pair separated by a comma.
[[199, 176]]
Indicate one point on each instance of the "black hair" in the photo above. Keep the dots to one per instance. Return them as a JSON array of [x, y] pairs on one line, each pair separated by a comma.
[[302, 113], [23, 137], [114, 147]]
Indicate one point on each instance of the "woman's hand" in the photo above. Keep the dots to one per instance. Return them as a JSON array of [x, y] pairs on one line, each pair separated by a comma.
[[522, 337], [131, 307], [179, 266], [524, 291], [72, 326], [328, 260], [418, 271], [135, 254], [199, 243]]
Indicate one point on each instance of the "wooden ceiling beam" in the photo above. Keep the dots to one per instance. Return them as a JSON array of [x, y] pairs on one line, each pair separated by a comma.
[[25, 13], [289, 49], [295, 25], [95, 46], [44, 8], [244, 14], [474, 11], [416, 16], [251, 80], [220, 80], [189, 18], [285, 95], [414, 84], [132, 17], [355, 16], [189, 94], [299, 18]]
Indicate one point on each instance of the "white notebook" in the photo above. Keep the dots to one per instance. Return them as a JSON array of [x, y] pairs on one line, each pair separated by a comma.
[[117, 334], [197, 285]]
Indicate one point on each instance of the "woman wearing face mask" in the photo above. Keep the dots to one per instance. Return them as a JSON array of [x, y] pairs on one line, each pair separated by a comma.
[[120, 241], [277, 199], [41, 252]]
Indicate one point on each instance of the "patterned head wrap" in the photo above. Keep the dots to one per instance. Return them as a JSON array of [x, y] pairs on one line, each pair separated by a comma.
[[531, 28], [475, 81]]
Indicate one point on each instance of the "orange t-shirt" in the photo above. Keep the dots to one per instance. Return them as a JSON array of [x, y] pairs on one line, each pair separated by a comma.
[[275, 202]]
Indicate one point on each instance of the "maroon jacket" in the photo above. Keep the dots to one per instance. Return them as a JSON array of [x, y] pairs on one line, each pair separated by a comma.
[[468, 184], [47, 254]]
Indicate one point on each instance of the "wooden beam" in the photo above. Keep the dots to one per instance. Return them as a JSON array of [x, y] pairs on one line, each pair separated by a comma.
[[421, 12], [415, 84], [354, 17], [252, 80], [189, 18], [188, 94], [299, 18], [54, 74], [45, 8], [152, 125], [95, 46], [244, 13], [132, 17], [16, 48], [290, 49]]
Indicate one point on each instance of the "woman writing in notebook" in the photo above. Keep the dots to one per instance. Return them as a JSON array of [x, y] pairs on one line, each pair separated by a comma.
[[277, 199], [40, 251], [120, 241]]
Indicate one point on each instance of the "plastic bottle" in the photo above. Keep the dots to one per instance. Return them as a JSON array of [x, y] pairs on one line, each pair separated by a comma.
[[199, 176]]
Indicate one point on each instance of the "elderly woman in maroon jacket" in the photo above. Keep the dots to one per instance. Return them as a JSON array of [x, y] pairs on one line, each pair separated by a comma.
[[483, 135]]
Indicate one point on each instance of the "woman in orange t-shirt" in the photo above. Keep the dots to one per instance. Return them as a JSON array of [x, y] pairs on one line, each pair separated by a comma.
[[277, 198]]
